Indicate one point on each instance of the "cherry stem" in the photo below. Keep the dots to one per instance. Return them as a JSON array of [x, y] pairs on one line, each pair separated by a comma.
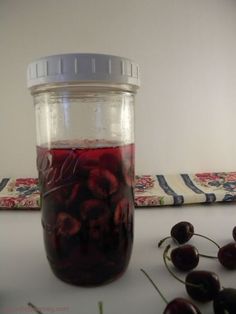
[[202, 236], [163, 240], [34, 308], [173, 274], [207, 256], [100, 306], [154, 285], [166, 238]]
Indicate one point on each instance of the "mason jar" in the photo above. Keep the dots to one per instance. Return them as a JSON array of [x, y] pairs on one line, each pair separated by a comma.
[[84, 106]]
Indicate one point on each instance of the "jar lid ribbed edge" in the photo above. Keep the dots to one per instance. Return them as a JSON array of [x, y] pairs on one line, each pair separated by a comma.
[[83, 68]]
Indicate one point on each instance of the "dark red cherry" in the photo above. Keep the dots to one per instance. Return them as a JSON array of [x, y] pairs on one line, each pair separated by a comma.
[[185, 257], [66, 225], [181, 306], [225, 301], [182, 232], [234, 233], [102, 183], [202, 286], [227, 255]]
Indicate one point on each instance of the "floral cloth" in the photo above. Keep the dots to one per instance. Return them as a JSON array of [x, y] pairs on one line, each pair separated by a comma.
[[158, 190], [150, 190]]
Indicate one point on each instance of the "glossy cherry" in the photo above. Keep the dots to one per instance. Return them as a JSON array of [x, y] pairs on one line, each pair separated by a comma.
[[181, 306], [176, 306], [225, 301], [102, 183], [66, 225], [202, 286], [182, 232], [227, 255], [185, 257]]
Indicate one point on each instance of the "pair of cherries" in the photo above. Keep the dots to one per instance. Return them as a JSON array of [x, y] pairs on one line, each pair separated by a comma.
[[202, 286]]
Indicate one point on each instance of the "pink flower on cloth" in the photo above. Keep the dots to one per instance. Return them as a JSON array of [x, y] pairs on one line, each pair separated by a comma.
[[230, 176], [26, 181], [143, 183], [204, 177], [149, 200], [225, 181], [7, 202]]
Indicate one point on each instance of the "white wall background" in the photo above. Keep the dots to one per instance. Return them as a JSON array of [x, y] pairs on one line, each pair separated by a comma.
[[186, 108]]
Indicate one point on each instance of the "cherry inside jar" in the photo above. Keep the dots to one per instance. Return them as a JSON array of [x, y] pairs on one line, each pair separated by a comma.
[[87, 210]]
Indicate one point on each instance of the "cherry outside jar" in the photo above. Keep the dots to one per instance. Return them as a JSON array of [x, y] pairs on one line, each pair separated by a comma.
[[84, 105]]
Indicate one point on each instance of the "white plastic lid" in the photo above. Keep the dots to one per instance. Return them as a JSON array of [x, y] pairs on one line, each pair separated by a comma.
[[83, 68]]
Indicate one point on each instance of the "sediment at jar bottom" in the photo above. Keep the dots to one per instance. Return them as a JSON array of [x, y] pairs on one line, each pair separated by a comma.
[[90, 275]]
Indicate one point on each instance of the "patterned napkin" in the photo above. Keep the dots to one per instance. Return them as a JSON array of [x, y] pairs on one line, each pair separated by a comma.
[[150, 190], [157, 190]]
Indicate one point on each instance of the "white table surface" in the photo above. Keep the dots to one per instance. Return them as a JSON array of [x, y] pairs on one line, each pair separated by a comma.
[[25, 274]]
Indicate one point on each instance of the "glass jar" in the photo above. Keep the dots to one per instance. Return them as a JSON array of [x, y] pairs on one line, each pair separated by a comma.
[[84, 105]]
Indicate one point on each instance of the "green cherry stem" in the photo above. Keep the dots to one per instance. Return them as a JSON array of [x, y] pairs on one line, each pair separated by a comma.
[[100, 306], [154, 285], [207, 256], [166, 238], [205, 237], [165, 257], [34, 308], [163, 240]]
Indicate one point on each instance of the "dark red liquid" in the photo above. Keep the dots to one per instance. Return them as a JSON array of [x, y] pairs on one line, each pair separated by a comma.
[[87, 211]]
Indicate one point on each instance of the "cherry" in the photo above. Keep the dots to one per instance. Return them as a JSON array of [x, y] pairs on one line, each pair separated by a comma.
[[176, 306], [225, 301], [227, 255], [234, 233], [102, 183], [182, 232], [185, 257], [181, 306], [66, 225], [200, 285]]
